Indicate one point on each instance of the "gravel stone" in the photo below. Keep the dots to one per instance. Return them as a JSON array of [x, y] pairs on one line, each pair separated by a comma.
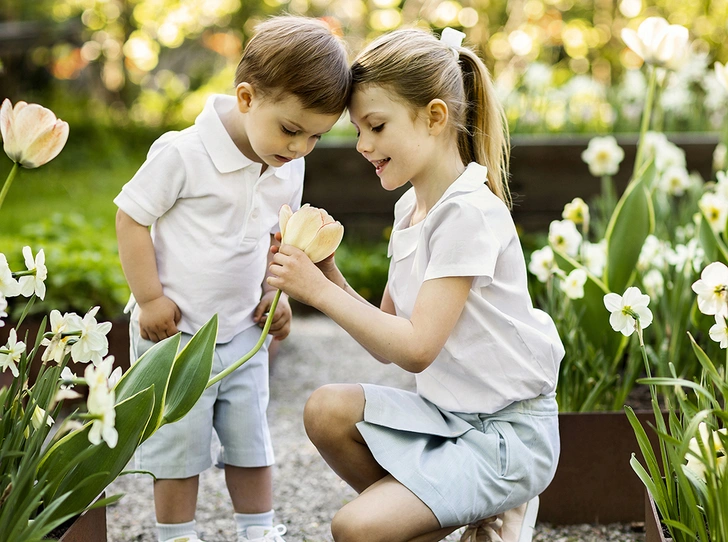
[[307, 493]]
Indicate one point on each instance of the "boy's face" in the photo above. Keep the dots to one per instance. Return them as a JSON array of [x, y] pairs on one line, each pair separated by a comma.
[[278, 129]]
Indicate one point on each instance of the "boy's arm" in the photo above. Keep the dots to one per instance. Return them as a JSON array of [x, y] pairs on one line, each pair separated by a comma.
[[158, 314]]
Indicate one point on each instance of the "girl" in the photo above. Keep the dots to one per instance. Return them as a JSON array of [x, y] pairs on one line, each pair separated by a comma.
[[480, 436]]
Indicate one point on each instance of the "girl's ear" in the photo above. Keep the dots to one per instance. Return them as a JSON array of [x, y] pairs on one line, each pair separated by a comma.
[[437, 115], [245, 94]]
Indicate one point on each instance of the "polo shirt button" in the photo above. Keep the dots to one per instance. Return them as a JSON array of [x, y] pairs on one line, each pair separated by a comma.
[[255, 213]]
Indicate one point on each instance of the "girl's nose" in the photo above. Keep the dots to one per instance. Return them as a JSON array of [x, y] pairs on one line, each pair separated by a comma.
[[363, 145]]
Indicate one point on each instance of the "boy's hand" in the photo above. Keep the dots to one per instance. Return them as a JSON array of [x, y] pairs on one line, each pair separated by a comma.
[[158, 318], [280, 327]]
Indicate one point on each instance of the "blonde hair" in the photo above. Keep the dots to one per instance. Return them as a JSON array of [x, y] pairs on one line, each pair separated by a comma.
[[299, 56], [417, 67]]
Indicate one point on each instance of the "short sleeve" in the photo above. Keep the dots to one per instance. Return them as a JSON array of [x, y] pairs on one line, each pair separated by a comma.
[[461, 243], [156, 186]]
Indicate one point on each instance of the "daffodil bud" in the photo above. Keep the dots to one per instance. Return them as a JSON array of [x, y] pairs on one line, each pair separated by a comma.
[[32, 135], [311, 229]]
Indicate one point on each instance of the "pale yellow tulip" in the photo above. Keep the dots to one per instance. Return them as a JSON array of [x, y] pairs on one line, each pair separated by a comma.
[[658, 42], [311, 229], [32, 135]]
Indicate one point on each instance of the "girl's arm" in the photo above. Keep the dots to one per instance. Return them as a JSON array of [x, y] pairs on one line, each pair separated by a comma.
[[412, 343], [158, 315]]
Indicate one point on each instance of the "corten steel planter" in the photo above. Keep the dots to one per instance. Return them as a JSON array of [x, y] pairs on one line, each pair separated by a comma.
[[546, 173], [594, 482], [653, 524], [88, 527]]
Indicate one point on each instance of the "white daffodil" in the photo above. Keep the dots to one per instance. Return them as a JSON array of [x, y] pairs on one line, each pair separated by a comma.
[[11, 353], [92, 345], [9, 287], [697, 462], [719, 331], [712, 289], [668, 155], [721, 185], [57, 346], [3, 306], [658, 42], [100, 404], [627, 309], [603, 156], [675, 180], [32, 135], [573, 284], [652, 254], [654, 283], [715, 209], [34, 283], [37, 418], [690, 254], [542, 263], [595, 256], [564, 236], [577, 211], [721, 73], [310, 229]]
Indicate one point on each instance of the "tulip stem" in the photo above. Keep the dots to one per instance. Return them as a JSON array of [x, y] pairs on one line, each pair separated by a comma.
[[8, 182], [246, 357], [646, 114]]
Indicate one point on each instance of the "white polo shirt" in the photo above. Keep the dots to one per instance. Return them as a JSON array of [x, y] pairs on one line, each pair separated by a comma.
[[212, 214], [501, 350]]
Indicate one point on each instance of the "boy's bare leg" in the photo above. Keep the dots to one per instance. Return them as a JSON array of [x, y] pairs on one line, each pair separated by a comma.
[[250, 488], [175, 500]]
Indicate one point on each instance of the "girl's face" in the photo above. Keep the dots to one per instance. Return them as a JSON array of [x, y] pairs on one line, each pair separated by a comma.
[[396, 142], [278, 130]]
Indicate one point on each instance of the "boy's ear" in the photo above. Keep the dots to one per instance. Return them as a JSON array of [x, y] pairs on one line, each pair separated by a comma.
[[437, 115], [245, 94]]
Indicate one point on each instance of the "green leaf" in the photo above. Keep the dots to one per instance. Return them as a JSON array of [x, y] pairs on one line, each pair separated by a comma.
[[632, 221], [152, 368], [83, 482], [713, 246], [191, 372]]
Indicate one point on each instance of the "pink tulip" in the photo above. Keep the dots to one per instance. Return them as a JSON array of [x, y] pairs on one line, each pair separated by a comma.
[[311, 229], [32, 135]]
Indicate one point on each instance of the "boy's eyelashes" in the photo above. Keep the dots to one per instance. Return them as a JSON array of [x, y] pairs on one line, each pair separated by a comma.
[[296, 132]]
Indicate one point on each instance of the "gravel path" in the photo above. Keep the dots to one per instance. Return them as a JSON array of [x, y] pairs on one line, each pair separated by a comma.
[[306, 492]]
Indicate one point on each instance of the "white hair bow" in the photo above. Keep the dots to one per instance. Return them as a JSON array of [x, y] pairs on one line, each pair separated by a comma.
[[453, 39]]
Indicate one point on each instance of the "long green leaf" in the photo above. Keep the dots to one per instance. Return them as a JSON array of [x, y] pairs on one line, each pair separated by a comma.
[[632, 221], [191, 372]]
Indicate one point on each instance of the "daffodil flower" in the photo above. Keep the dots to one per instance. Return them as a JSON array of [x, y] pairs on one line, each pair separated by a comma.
[[628, 311], [697, 463], [310, 229], [719, 331], [658, 42], [3, 306], [715, 209], [32, 281], [9, 286], [564, 236], [577, 211], [542, 263], [100, 404], [603, 156], [92, 345], [573, 284], [32, 135], [712, 289], [10, 353], [63, 328], [37, 418]]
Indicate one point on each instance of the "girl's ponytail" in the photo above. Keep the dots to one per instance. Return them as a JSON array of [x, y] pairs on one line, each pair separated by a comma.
[[485, 137]]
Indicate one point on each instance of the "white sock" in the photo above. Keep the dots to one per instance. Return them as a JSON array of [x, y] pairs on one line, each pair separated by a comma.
[[165, 531], [243, 521]]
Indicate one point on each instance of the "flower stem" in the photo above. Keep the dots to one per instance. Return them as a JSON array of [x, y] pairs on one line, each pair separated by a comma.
[[8, 182], [649, 99], [246, 357]]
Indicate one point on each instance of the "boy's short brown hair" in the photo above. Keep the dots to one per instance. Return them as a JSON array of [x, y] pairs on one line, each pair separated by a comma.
[[299, 56]]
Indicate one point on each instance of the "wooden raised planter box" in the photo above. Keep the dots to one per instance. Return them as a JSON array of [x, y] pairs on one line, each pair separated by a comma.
[[653, 524], [546, 173], [594, 482]]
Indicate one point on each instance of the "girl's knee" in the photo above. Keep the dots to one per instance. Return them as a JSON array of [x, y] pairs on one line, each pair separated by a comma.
[[333, 408], [349, 526]]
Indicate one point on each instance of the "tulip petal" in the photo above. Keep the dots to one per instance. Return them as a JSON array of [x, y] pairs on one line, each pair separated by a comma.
[[47, 146], [31, 122], [284, 214], [651, 29], [302, 227], [326, 241], [630, 38]]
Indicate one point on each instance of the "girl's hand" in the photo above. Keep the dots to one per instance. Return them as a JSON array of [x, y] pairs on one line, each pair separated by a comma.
[[294, 273], [280, 326], [158, 318], [327, 265]]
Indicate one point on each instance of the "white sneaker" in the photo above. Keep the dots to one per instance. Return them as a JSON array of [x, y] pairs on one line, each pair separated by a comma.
[[263, 534], [186, 538]]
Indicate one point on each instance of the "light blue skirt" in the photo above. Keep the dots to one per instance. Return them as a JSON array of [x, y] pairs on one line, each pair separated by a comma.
[[464, 467]]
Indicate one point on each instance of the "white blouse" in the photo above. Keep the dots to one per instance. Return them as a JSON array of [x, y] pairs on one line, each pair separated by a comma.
[[502, 349]]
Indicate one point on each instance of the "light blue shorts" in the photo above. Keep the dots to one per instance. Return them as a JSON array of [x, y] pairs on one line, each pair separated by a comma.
[[464, 467], [235, 407]]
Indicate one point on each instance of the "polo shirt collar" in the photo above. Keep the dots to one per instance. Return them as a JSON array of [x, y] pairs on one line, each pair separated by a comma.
[[223, 152]]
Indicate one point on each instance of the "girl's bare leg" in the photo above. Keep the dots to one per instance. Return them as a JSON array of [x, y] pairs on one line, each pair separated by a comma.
[[385, 511]]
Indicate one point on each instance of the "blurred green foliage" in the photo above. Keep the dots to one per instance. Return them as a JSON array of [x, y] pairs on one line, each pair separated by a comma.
[[365, 266]]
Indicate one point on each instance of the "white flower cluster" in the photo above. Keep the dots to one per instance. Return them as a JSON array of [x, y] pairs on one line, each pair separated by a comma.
[[84, 339], [714, 203]]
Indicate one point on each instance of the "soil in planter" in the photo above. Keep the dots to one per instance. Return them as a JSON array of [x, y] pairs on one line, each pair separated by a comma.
[[59, 531]]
